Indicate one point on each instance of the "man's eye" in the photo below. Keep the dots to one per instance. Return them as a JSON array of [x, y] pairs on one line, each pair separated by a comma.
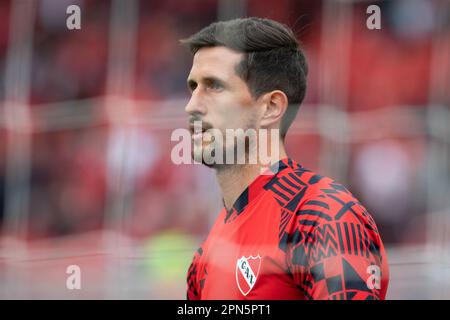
[[192, 87], [215, 86]]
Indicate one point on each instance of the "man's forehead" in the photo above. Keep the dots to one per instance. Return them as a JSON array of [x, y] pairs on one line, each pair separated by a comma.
[[215, 61]]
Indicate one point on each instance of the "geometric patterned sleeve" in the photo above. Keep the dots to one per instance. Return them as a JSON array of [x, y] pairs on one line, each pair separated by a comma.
[[193, 285], [334, 250]]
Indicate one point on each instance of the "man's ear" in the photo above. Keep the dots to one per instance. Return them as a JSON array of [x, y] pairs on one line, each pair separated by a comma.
[[276, 103]]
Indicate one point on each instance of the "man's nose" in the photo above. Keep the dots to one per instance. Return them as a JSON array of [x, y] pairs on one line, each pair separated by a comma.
[[195, 105]]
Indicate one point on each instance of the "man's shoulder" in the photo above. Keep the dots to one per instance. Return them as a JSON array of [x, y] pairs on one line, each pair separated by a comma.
[[321, 198], [313, 184]]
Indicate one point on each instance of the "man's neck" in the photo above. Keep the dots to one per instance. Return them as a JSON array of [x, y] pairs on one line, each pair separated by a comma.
[[234, 179]]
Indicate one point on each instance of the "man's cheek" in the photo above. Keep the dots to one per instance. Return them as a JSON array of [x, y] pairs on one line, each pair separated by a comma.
[[231, 119]]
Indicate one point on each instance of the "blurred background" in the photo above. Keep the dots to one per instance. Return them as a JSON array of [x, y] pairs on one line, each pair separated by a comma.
[[86, 116]]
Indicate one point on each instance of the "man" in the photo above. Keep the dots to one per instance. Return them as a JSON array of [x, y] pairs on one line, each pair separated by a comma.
[[286, 233]]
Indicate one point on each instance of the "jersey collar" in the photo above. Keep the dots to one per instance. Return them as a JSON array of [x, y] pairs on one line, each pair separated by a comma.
[[257, 186]]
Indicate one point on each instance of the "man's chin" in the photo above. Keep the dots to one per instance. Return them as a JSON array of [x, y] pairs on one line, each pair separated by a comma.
[[210, 163], [206, 155]]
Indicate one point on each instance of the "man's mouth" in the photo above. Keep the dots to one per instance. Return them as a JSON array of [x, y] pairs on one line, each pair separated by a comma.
[[197, 136], [198, 131]]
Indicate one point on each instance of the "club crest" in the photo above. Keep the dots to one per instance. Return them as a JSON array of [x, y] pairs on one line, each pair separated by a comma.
[[247, 271]]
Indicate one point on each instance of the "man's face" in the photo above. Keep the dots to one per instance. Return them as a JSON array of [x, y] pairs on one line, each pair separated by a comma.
[[219, 97]]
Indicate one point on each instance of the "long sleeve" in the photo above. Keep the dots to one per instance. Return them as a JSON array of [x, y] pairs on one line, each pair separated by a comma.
[[335, 251], [193, 285]]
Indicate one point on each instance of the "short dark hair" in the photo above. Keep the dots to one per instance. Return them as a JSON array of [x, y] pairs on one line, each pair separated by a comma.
[[273, 59]]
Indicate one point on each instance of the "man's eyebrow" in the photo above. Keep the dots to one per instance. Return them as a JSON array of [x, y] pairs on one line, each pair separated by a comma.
[[213, 79], [208, 79]]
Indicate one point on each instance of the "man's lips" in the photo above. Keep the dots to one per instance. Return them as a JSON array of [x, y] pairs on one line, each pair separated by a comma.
[[197, 136], [198, 130]]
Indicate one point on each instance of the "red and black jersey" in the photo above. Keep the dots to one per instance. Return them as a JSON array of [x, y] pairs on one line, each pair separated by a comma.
[[292, 234]]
